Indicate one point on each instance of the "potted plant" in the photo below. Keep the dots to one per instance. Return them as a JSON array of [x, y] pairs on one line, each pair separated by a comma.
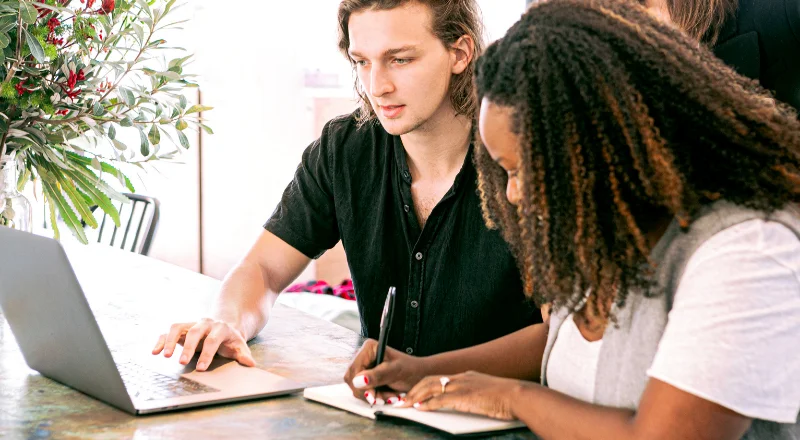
[[74, 74]]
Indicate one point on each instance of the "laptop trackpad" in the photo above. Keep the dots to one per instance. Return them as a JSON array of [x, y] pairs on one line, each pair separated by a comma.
[[225, 374]]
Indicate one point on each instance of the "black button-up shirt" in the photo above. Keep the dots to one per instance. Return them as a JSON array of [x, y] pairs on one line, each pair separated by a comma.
[[457, 284]]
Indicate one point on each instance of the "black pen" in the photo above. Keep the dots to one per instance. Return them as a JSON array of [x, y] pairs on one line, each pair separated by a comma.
[[386, 325]]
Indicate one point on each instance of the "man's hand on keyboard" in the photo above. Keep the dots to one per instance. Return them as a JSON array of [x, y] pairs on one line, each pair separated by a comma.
[[208, 336]]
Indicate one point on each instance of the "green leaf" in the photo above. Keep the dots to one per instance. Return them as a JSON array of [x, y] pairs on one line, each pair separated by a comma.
[[139, 32], [154, 136], [127, 122], [169, 6], [96, 195], [207, 129], [112, 132], [119, 145], [181, 125], [127, 96], [144, 148], [178, 62], [35, 47], [173, 76], [53, 224], [182, 101], [184, 141], [78, 160], [7, 23], [98, 109], [143, 4], [78, 200], [23, 179], [28, 13], [198, 108], [4, 41], [54, 194]]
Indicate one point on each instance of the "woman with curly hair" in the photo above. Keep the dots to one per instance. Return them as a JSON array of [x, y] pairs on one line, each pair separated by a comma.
[[648, 194]]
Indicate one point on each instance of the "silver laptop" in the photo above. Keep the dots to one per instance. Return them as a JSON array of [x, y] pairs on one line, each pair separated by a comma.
[[59, 337]]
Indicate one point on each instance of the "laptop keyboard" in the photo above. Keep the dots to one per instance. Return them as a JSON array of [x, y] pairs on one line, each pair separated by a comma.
[[144, 384]]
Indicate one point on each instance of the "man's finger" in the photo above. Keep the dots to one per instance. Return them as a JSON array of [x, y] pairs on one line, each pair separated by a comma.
[[193, 337], [217, 334], [175, 333], [160, 344], [244, 356]]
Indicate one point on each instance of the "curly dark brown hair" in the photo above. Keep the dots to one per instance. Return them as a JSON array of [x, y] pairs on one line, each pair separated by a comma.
[[620, 119]]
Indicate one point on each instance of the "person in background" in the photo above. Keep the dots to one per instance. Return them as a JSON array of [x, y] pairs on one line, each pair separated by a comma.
[[395, 182], [760, 39], [649, 193]]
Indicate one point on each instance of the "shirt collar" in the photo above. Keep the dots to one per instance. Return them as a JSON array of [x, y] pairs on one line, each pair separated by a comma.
[[467, 168]]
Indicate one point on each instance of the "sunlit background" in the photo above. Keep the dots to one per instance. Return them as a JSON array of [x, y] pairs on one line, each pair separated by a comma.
[[274, 76]]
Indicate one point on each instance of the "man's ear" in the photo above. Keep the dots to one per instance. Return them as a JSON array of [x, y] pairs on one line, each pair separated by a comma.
[[462, 51]]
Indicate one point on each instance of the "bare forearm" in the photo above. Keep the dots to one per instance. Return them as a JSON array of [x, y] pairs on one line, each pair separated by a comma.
[[553, 415], [245, 299], [518, 355]]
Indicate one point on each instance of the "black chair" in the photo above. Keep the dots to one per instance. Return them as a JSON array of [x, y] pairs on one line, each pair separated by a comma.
[[138, 218]]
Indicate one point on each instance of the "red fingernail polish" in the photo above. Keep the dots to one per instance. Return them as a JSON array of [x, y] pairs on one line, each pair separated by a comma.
[[366, 380], [366, 394]]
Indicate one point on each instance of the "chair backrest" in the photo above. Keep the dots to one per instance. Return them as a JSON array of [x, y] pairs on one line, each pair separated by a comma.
[[138, 223]]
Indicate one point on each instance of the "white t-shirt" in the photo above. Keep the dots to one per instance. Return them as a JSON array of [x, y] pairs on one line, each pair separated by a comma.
[[572, 365], [733, 334]]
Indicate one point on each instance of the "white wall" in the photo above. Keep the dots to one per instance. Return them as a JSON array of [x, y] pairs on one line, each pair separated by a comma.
[[252, 59]]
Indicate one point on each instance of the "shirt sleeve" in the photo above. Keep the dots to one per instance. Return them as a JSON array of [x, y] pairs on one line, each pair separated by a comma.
[[733, 334], [305, 218]]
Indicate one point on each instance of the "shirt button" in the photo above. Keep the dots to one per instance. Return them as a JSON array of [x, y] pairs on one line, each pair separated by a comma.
[[410, 350], [406, 208], [418, 256], [414, 304]]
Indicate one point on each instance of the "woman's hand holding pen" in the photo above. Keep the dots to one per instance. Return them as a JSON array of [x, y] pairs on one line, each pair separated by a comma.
[[398, 371]]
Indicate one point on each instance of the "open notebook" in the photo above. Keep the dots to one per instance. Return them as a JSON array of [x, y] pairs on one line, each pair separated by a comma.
[[340, 396]]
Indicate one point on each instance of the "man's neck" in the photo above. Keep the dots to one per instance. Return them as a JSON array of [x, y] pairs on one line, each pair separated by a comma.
[[437, 149]]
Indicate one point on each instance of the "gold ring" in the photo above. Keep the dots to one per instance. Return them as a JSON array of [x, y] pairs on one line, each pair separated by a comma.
[[444, 381]]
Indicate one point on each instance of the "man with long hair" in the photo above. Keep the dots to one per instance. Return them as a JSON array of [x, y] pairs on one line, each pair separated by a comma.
[[394, 181], [650, 194]]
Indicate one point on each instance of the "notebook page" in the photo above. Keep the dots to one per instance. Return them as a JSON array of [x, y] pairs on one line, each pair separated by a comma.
[[452, 422], [341, 397]]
